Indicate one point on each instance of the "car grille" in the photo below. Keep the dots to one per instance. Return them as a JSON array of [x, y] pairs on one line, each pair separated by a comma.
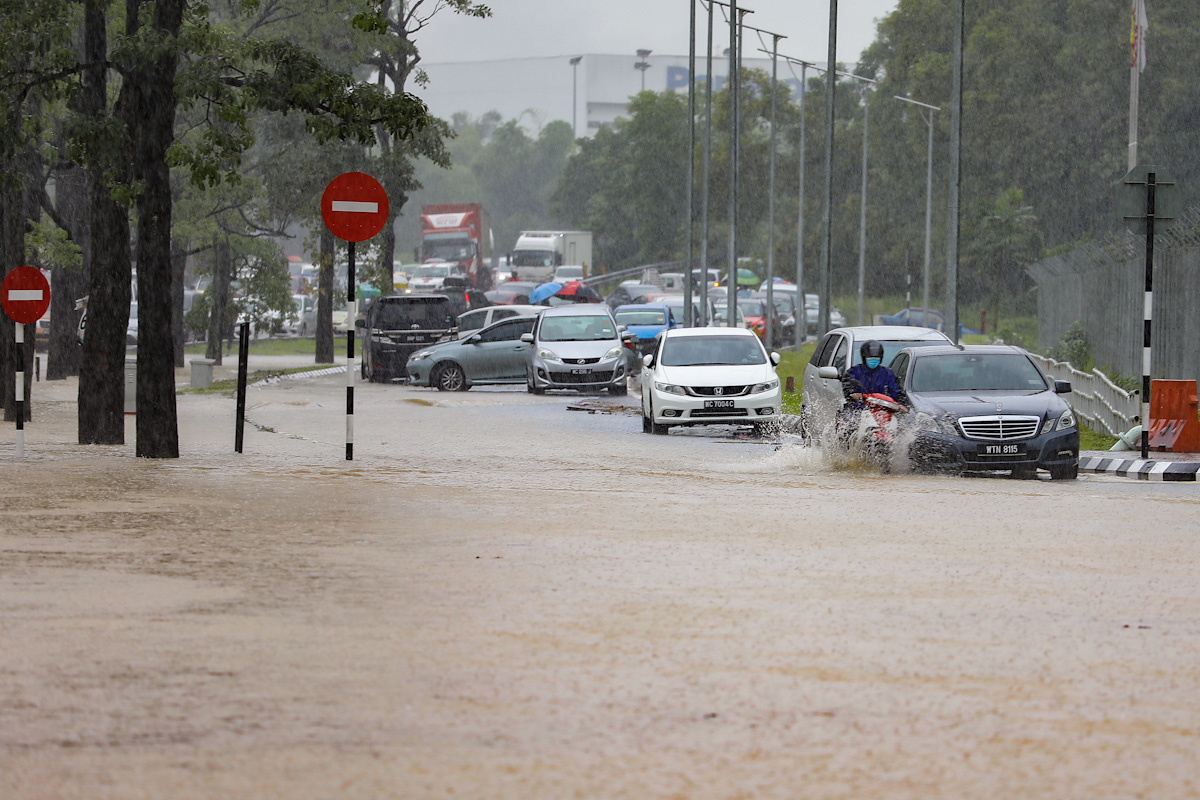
[[999, 428], [717, 391], [581, 360], [599, 376], [718, 412]]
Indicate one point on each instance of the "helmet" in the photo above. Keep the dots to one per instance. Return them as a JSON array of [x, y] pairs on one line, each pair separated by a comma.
[[870, 349]]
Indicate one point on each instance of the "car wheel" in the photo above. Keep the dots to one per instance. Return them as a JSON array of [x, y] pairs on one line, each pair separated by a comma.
[[619, 389], [645, 422], [529, 387], [655, 428], [1067, 473], [449, 377]]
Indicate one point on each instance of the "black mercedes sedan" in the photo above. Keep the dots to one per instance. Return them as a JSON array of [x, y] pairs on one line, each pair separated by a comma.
[[986, 408]]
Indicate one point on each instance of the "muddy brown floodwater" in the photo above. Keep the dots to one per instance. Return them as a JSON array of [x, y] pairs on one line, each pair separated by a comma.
[[503, 598]]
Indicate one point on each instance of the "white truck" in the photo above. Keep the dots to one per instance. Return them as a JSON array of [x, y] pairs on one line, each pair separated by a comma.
[[538, 253]]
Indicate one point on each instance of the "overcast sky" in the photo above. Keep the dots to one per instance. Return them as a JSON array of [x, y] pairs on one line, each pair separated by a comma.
[[524, 28]]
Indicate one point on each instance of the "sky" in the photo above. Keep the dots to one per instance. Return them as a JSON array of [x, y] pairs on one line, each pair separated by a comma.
[[526, 28]]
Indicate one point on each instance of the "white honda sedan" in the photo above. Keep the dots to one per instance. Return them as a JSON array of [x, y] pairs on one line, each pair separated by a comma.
[[709, 376]]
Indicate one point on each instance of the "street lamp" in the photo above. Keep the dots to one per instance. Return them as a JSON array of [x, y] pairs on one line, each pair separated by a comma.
[[928, 204], [574, 89], [642, 66], [862, 209]]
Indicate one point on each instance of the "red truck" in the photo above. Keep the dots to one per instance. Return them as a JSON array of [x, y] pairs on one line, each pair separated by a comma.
[[457, 233]]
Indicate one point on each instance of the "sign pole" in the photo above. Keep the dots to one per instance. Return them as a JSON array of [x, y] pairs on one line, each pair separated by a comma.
[[243, 364], [351, 312], [20, 393], [1148, 314]]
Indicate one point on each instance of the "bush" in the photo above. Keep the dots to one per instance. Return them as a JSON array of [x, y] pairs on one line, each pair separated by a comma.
[[1074, 349]]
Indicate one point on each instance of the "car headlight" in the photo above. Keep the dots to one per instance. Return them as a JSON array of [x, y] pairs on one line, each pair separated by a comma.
[[614, 352], [547, 355], [420, 355], [669, 388], [1067, 420], [764, 387], [928, 422]]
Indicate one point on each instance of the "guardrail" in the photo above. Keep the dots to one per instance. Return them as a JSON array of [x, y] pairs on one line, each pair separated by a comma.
[[1099, 402]]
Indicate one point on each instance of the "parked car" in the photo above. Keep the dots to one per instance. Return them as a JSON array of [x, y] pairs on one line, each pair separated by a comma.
[[479, 318], [303, 323], [987, 408], [645, 322], [510, 293], [495, 354], [709, 376], [675, 303], [628, 293], [720, 316], [785, 313], [837, 352], [576, 347], [812, 314], [397, 326], [929, 319]]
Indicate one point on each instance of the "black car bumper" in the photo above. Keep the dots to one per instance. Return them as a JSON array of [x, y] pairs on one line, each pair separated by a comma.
[[937, 451]]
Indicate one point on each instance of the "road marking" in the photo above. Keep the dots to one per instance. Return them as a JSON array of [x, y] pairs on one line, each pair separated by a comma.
[[355, 207]]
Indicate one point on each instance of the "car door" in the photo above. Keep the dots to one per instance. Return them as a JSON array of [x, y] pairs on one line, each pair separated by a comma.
[[825, 399], [497, 353]]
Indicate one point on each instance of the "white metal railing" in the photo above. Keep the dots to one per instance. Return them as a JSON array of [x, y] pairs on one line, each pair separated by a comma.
[[1104, 406]]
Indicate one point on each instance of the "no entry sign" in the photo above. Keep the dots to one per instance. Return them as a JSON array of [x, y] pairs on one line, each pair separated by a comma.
[[25, 295], [354, 206]]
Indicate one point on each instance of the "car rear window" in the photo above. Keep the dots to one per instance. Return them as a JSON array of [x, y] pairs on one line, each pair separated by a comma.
[[649, 316], [414, 314]]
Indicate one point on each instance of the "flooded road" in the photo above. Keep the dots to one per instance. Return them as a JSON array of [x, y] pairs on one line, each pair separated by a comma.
[[504, 598]]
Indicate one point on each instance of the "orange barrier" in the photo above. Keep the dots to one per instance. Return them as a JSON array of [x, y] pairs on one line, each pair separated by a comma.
[[1174, 424]]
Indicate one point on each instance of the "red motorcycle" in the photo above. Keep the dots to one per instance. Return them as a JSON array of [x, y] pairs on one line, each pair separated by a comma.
[[876, 429]]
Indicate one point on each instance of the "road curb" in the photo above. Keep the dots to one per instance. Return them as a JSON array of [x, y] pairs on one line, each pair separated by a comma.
[[1145, 470]]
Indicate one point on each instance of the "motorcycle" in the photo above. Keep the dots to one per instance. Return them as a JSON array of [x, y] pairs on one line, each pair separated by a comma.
[[875, 431]]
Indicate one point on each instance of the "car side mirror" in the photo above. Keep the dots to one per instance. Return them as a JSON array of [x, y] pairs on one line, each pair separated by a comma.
[[1062, 387], [828, 373], [648, 360], [474, 339], [527, 338], [775, 359], [628, 336]]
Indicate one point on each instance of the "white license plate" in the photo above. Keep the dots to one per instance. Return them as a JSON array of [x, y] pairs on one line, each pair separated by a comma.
[[1003, 449], [718, 404], [581, 372]]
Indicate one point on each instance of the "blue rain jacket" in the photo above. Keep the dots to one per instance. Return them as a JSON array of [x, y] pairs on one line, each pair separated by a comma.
[[864, 380]]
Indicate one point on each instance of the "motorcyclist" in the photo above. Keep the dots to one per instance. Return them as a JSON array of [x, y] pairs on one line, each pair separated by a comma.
[[870, 377]]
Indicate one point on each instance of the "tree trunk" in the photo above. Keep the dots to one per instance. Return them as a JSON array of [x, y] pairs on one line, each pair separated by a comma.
[[71, 192], [178, 267], [219, 294], [325, 299], [102, 367]]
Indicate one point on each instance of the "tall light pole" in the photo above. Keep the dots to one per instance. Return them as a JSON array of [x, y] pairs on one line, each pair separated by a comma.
[[642, 66], [928, 204], [574, 90], [827, 206], [708, 90], [955, 177], [691, 170], [770, 318], [862, 208]]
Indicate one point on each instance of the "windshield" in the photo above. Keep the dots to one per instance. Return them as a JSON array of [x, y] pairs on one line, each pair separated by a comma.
[[976, 372], [433, 271], [752, 308], [577, 328], [434, 315], [649, 316], [533, 258], [694, 351]]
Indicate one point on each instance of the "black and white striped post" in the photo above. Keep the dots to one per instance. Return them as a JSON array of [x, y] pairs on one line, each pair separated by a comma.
[[19, 393], [25, 296], [1148, 312], [355, 208]]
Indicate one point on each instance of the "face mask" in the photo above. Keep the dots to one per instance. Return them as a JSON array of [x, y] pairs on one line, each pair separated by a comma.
[[872, 363]]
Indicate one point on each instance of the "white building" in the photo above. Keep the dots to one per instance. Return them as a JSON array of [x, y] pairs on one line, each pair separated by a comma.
[[539, 90]]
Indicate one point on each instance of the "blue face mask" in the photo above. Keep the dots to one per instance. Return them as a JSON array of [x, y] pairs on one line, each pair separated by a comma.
[[872, 363]]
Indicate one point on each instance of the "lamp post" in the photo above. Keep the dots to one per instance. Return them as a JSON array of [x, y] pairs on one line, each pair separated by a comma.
[[642, 66], [574, 93], [928, 204], [862, 206]]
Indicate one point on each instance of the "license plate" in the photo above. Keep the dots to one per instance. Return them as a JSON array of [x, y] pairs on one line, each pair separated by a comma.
[[1002, 449], [581, 372], [413, 338], [718, 404]]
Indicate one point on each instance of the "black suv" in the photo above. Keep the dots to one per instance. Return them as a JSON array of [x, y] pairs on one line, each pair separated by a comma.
[[395, 327]]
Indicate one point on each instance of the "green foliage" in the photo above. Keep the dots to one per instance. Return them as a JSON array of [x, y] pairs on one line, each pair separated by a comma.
[[53, 248], [1074, 349]]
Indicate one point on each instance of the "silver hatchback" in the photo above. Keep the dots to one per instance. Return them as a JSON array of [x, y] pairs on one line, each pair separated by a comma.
[[576, 347]]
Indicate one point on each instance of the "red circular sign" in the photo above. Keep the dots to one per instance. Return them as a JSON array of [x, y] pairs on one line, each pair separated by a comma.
[[25, 295], [354, 206]]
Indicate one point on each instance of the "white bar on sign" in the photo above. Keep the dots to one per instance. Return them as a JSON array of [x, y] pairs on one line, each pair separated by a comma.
[[24, 294], [355, 207]]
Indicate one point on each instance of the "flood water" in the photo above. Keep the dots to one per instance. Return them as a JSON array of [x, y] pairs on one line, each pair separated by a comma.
[[509, 596]]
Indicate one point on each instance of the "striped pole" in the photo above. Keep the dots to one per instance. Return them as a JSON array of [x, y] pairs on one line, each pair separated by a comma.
[[350, 314], [20, 388], [1148, 314]]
